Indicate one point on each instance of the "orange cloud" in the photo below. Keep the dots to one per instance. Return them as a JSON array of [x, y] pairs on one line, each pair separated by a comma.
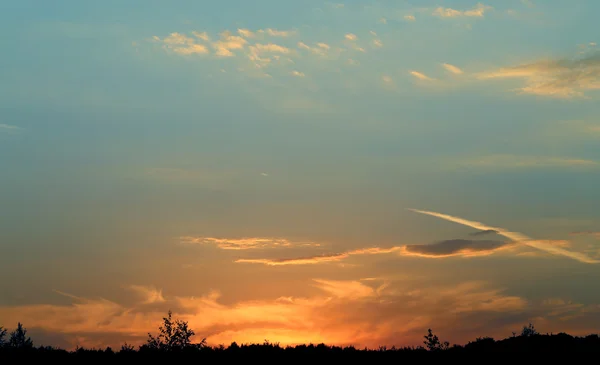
[[543, 245], [343, 313], [245, 243], [311, 260]]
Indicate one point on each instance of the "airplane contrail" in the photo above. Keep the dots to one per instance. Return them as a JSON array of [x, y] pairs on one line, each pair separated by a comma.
[[514, 236]]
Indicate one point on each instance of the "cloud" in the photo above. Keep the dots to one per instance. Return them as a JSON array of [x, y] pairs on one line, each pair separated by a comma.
[[453, 69], [562, 78], [586, 233], [383, 20], [377, 43], [150, 295], [517, 238], [321, 49], [350, 37], [227, 44], [410, 18], [298, 73], [244, 243], [448, 248], [511, 161], [421, 76], [279, 33], [528, 3], [342, 312], [201, 35], [483, 233], [477, 11], [246, 33], [182, 44], [262, 54], [457, 247], [8, 127], [319, 259], [270, 47]]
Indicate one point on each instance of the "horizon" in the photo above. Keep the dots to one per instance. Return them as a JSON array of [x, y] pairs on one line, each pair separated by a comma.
[[347, 173]]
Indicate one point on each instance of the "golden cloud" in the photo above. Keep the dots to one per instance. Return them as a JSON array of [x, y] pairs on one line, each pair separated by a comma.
[[563, 78], [477, 11], [245, 243], [345, 313]]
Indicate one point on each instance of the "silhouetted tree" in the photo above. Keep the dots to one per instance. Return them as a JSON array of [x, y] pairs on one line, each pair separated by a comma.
[[173, 335], [433, 343], [529, 331], [2, 335], [19, 339], [127, 348]]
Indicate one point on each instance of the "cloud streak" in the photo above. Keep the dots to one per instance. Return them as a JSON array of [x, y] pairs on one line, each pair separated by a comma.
[[244, 243], [515, 161], [514, 236], [562, 78], [457, 247], [477, 11], [319, 259]]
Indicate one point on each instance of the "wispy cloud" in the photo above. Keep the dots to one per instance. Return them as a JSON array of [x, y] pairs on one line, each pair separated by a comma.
[[515, 237], [516, 161], [245, 243], [477, 11], [228, 43], [9, 128], [457, 247], [279, 33], [246, 33], [149, 295], [410, 18], [350, 37], [182, 44], [586, 233], [396, 313], [453, 69], [298, 73], [319, 259], [483, 233], [562, 78], [421, 76]]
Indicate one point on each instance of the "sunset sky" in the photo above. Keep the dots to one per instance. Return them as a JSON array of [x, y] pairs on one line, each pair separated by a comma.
[[299, 171]]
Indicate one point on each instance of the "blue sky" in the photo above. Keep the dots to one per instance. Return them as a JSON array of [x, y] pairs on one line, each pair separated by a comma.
[[142, 141]]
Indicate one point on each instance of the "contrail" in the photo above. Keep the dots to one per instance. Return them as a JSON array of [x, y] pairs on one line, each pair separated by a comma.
[[515, 236]]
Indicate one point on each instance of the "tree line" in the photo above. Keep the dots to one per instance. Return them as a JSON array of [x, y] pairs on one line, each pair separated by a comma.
[[174, 338]]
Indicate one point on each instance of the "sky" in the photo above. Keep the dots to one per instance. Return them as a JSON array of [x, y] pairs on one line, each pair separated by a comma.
[[303, 172]]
